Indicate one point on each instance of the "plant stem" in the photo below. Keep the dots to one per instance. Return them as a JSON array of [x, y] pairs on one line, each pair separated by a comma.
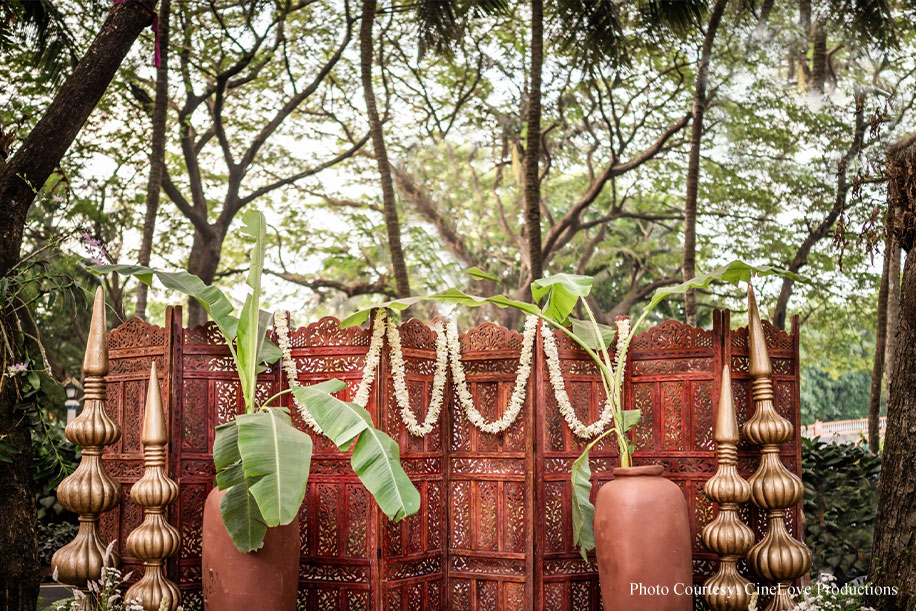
[[279, 394]]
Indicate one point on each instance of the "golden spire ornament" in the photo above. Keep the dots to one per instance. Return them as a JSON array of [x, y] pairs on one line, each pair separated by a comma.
[[778, 557], [155, 539], [89, 491], [727, 535]]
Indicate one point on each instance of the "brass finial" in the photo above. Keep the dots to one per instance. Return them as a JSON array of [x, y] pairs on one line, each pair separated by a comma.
[[89, 491], [95, 362], [154, 430], [155, 539], [726, 420], [727, 535], [778, 557], [757, 345]]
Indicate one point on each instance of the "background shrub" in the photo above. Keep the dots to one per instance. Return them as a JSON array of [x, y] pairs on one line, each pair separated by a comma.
[[841, 494]]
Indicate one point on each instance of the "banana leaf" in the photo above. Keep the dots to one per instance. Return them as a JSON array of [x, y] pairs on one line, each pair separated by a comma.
[[276, 457], [375, 459]]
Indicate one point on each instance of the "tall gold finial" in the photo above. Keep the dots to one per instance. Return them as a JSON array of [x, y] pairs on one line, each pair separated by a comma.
[[778, 557], [757, 344], [155, 539], [726, 420], [727, 535], [95, 361], [154, 430], [89, 491]]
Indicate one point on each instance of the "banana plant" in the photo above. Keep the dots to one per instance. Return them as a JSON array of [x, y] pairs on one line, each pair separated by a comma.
[[558, 296], [262, 460]]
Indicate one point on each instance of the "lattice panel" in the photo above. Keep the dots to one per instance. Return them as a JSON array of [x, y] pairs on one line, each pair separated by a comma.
[[413, 551], [490, 506], [337, 522], [132, 348], [494, 528]]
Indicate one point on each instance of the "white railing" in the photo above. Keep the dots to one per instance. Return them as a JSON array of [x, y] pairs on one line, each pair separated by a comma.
[[842, 430]]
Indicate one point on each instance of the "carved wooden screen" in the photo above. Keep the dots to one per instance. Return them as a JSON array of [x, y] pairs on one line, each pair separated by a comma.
[[567, 583], [412, 554], [674, 372], [490, 482], [337, 522], [132, 348], [494, 527]]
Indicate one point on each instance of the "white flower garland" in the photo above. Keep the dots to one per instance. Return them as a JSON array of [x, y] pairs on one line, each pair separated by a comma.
[[448, 350], [552, 358], [516, 401], [372, 358], [398, 369], [289, 367]]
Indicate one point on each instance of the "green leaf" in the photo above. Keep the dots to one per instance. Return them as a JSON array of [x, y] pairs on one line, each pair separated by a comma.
[[584, 330], [478, 274], [211, 298], [254, 225], [375, 459], [278, 455], [734, 273], [230, 476], [253, 323], [140, 272], [630, 419], [242, 516], [563, 292], [226, 446], [583, 512], [269, 353]]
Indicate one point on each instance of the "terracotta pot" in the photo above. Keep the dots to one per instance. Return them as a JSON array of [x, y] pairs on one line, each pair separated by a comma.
[[642, 540], [236, 581]]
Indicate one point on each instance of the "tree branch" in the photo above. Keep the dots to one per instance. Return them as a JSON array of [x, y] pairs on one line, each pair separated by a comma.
[[610, 171]]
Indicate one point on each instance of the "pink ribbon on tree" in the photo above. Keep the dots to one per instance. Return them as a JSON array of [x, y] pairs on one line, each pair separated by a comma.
[[155, 26]]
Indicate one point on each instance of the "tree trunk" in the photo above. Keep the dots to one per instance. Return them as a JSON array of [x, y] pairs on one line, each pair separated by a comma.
[[532, 188], [763, 19], [389, 205], [877, 372], [49, 140], [894, 549], [27, 170], [157, 153], [693, 162], [893, 309], [819, 57], [203, 262]]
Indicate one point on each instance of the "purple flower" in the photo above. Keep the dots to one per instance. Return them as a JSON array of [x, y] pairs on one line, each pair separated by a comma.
[[17, 368], [95, 247]]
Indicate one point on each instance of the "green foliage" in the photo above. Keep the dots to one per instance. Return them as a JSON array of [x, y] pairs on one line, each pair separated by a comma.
[[262, 461], [827, 398], [276, 457], [39, 26], [53, 458], [841, 496], [583, 511], [375, 457], [51, 537], [733, 273]]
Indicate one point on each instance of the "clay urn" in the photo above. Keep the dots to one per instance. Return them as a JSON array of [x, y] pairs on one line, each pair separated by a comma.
[[238, 581], [642, 542]]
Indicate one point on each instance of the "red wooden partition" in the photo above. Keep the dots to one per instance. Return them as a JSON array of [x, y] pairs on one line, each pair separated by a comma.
[[494, 530]]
